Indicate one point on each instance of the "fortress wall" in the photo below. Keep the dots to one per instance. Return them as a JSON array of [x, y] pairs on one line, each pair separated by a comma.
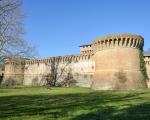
[[14, 70], [34, 72], [147, 63], [83, 72], [81, 68]]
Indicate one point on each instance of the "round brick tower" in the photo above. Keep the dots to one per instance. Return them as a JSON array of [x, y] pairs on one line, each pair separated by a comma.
[[117, 62]]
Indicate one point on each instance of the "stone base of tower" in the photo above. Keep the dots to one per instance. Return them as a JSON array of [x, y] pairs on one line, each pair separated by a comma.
[[112, 80]]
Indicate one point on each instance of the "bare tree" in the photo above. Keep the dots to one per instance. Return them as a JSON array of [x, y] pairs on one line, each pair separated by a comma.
[[69, 80], [57, 73], [52, 77], [12, 43]]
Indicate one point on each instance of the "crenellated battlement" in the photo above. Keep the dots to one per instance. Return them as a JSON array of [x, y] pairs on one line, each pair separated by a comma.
[[147, 59], [121, 40], [63, 59], [86, 49], [15, 61]]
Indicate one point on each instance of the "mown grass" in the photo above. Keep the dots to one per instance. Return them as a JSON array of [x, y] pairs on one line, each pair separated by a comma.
[[39, 103]]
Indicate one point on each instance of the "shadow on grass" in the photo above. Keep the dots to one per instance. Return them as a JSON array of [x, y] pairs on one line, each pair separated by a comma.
[[83, 106], [138, 112]]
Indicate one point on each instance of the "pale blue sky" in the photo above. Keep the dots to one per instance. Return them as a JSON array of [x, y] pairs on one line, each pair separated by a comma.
[[59, 27]]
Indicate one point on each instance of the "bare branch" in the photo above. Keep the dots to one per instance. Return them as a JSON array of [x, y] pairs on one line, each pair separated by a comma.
[[12, 31]]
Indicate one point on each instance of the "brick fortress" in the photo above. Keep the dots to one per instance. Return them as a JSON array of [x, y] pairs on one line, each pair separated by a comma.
[[110, 62]]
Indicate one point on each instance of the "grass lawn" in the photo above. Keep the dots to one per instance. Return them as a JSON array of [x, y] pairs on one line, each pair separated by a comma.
[[39, 103]]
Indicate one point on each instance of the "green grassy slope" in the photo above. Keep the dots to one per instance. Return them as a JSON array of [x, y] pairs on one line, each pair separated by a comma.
[[39, 103]]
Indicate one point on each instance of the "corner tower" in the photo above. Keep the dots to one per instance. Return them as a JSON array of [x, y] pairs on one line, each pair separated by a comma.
[[117, 62]]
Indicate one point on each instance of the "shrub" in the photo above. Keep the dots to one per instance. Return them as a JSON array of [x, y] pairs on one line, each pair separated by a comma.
[[50, 80], [142, 65], [121, 79], [69, 80], [1, 78], [9, 82], [121, 76]]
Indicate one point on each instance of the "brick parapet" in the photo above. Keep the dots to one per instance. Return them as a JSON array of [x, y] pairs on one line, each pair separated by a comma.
[[71, 58], [121, 40]]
